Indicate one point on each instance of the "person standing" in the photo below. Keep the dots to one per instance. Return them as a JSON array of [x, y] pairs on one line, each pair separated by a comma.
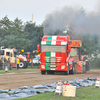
[[9, 63], [2, 62], [18, 63], [5, 62]]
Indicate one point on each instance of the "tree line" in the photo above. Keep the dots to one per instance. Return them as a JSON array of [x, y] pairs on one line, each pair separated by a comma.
[[16, 34]]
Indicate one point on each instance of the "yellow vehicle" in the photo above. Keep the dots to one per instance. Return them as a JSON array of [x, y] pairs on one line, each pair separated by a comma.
[[12, 55]]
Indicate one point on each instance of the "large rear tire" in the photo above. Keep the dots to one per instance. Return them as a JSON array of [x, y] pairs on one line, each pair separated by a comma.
[[88, 65], [26, 64], [22, 64]]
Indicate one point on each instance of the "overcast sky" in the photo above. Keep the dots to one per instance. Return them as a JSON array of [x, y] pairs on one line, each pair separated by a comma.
[[23, 9]]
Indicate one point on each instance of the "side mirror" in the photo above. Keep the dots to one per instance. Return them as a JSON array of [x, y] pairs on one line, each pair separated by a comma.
[[69, 48], [38, 47]]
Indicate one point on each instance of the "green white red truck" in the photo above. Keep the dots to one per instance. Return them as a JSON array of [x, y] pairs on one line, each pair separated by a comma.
[[60, 54]]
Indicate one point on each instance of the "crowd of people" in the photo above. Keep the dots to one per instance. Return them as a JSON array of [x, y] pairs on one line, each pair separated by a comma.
[[5, 62]]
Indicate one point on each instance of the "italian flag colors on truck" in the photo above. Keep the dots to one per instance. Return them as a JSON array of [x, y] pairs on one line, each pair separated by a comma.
[[55, 53], [60, 54]]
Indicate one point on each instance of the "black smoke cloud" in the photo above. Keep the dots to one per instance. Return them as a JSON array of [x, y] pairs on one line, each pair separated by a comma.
[[73, 19]]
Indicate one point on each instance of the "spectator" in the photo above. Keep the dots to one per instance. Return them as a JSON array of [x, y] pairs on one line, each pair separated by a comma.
[[5, 62], [17, 63], [2, 59], [9, 63]]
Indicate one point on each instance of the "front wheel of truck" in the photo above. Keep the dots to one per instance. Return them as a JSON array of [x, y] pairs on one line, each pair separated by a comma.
[[67, 72], [43, 72]]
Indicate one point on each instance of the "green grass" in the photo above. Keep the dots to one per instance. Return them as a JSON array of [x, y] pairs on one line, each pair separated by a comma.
[[95, 69], [83, 93], [34, 67], [20, 70], [16, 71]]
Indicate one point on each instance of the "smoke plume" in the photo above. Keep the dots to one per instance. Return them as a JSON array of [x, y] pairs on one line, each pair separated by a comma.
[[73, 19]]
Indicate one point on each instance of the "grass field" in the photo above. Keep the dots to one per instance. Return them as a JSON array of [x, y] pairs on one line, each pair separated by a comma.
[[95, 69], [83, 93], [30, 69], [34, 67]]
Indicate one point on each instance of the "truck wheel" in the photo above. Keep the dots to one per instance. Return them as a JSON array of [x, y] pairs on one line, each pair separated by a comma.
[[72, 71], [88, 65], [22, 64], [43, 72], [67, 72], [26, 65]]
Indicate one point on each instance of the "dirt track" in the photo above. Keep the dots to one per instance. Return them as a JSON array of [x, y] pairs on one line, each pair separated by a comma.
[[15, 80]]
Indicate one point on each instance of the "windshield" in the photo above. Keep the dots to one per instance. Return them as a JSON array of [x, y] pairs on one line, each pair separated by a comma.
[[53, 48], [1, 52], [15, 53]]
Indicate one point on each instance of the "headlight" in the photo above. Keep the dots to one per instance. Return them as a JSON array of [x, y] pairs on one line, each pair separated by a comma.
[[42, 66], [63, 67]]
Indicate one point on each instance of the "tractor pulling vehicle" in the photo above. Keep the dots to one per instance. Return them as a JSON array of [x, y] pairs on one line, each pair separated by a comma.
[[78, 63], [60, 54], [12, 54]]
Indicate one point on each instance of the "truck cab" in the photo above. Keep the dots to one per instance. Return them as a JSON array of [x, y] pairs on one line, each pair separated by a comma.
[[12, 54], [55, 53], [9, 53]]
